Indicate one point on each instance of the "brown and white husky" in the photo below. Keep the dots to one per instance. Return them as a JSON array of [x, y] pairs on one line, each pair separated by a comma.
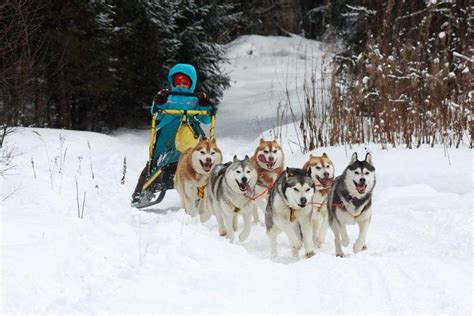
[[193, 170], [269, 161], [322, 172]]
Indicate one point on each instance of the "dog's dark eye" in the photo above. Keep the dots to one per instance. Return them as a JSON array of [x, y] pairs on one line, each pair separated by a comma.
[[274, 151], [327, 166], [248, 171], [357, 172], [318, 167], [266, 151], [366, 173], [213, 153], [296, 189], [238, 171], [307, 190], [203, 152]]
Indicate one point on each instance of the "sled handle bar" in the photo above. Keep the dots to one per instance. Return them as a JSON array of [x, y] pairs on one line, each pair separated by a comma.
[[185, 112]]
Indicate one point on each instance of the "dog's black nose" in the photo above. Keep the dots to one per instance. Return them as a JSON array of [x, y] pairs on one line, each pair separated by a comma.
[[208, 160], [270, 158], [326, 174], [362, 180], [244, 179], [303, 201]]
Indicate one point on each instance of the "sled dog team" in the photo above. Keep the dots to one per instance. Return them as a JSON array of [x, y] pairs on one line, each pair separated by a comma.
[[302, 203]]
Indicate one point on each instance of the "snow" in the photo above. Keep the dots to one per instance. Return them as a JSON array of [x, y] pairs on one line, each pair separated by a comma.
[[120, 260], [259, 81]]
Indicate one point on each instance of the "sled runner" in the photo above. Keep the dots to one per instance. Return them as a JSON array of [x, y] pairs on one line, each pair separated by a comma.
[[159, 179]]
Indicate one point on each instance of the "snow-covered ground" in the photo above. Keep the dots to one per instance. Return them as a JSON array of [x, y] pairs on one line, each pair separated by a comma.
[[120, 260], [262, 70]]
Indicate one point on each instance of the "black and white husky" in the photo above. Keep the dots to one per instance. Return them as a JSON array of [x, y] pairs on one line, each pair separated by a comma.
[[350, 202], [228, 194], [289, 209]]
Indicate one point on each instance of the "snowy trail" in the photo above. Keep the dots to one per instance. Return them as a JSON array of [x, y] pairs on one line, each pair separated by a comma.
[[120, 260]]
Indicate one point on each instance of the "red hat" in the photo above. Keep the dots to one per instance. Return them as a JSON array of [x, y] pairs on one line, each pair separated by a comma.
[[182, 79]]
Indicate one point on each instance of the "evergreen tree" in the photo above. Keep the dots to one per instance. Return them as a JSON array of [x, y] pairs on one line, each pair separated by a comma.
[[198, 26], [77, 62]]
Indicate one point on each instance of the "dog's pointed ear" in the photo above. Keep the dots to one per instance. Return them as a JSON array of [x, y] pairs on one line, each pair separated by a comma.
[[311, 156], [235, 158], [213, 140], [262, 140], [308, 172], [353, 158], [289, 172], [369, 159], [325, 155], [246, 157]]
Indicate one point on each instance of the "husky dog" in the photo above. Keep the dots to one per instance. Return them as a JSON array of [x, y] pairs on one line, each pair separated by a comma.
[[193, 170], [228, 194], [321, 170], [289, 209], [350, 202], [268, 159]]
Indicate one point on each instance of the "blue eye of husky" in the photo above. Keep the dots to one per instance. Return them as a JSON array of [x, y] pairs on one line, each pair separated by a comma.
[[296, 189]]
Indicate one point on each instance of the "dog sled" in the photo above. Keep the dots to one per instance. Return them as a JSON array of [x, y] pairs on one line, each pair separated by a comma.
[[160, 179]]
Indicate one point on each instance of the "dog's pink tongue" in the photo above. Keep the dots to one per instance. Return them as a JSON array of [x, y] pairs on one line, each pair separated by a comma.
[[248, 190], [207, 167], [361, 188]]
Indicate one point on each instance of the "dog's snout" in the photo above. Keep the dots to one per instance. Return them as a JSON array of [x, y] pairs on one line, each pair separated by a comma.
[[326, 174], [244, 179], [362, 180], [271, 158], [208, 160], [303, 201]]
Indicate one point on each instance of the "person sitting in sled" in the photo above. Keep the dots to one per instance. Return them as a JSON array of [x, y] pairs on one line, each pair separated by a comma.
[[182, 79]]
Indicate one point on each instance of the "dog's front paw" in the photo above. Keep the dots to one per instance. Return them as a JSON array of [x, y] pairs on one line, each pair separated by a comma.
[[298, 244], [309, 254], [359, 246], [340, 254], [222, 233]]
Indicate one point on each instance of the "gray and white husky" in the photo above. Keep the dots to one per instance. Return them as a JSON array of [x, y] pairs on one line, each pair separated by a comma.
[[228, 194], [350, 202], [289, 210]]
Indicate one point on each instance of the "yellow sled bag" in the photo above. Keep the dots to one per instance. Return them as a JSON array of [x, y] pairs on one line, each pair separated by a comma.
[[185, 137]]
